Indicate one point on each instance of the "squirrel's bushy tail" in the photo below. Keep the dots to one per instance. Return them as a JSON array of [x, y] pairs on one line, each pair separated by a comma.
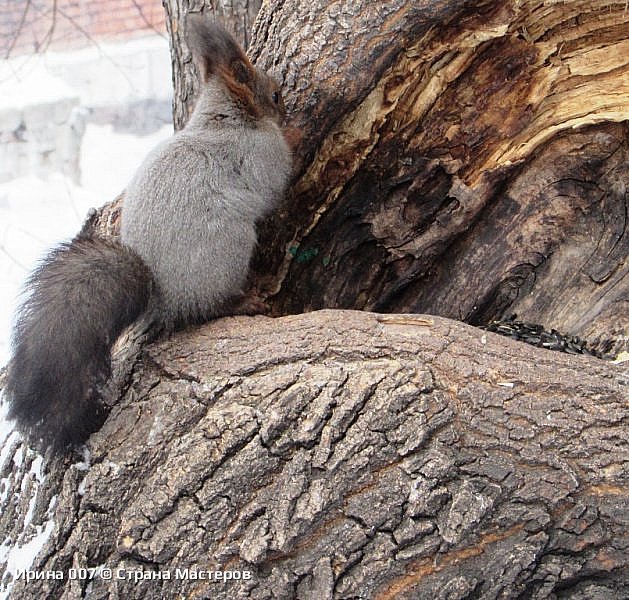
[[78, 302]]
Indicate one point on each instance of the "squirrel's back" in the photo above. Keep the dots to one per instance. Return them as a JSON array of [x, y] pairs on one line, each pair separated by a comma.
[[191, 209]]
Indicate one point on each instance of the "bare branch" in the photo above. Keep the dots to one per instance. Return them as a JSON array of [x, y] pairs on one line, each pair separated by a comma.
[[27, 5], [149, 24]]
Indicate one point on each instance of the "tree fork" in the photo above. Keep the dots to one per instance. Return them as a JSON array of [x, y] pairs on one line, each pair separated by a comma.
[[469, 162], [465, 161]]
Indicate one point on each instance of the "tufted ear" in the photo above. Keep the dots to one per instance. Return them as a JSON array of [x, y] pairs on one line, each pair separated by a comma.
[[216, 53], [215, 50]]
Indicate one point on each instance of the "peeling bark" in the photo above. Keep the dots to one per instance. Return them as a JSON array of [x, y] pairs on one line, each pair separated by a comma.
[[465, 160], [343, 455]]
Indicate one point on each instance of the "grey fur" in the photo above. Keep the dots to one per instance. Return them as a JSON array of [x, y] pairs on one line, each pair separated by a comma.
[[204, 189], [228, 175], [188, 234], [79, 300]]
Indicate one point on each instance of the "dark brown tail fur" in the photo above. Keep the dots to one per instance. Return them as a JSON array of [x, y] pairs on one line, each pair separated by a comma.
[[78, 302]]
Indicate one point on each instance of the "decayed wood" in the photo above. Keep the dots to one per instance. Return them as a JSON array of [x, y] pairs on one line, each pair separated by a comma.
[[466, 160], [343, 454]]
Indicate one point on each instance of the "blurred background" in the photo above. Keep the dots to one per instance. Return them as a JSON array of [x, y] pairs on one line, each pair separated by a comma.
[[85, 93]]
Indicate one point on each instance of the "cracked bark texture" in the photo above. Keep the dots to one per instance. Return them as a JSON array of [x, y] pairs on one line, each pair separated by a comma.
[[468, 160], [341, 454], [464, 160]]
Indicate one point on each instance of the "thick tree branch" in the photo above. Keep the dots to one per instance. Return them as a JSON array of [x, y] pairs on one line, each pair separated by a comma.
[[347, 454]]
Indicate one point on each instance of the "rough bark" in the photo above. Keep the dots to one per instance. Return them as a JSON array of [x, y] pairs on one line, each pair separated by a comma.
[[345, 455], [468, 160]]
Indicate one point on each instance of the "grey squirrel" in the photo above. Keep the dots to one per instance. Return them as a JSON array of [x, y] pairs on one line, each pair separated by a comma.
[[187, 236]]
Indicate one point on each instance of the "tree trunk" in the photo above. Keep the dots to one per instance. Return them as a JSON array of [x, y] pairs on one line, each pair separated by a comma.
[[464, 160], [342, 455], [237, 16], [468, 161]]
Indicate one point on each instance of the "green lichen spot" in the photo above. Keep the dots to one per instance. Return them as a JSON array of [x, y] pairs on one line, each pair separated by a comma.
[[307, 254]]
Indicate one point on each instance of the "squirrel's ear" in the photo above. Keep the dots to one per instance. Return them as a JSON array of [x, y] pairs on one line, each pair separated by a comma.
[[215, 51], [242, 70]]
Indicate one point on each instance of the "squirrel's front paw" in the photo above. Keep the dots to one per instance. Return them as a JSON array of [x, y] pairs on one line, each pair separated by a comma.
[[250, 304]]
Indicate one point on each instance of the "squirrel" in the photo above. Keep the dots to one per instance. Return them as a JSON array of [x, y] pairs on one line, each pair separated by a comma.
[[188, 232]]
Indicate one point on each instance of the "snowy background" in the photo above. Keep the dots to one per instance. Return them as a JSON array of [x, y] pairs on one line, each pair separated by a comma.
[[36, 213], [47, 203], [73, 129]]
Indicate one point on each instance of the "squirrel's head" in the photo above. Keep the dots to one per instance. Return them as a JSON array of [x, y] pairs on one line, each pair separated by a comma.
[[217, 54]]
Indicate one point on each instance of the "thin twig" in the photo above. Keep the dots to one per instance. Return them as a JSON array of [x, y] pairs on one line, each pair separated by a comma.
[[144, 18], [94, 42], [51, 30], [18, 31]]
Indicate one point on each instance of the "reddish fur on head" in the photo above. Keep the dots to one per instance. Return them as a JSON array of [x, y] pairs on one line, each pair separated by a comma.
[[217, 54], [240, 92]]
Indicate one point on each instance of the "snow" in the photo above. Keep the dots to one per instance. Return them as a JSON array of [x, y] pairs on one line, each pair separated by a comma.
[[35, 215], [38, 212], [128, 71], [7, 439], [20, 557], [83, 465], [35, 86]]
